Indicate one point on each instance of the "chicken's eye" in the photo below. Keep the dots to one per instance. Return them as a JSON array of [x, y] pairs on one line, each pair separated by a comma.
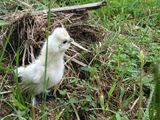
[[65, 41]]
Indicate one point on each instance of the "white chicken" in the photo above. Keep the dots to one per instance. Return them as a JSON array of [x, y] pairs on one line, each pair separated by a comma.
[[33, 74]]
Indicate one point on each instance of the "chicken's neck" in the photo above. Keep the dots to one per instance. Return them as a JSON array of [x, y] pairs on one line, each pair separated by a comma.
[[51, 58]]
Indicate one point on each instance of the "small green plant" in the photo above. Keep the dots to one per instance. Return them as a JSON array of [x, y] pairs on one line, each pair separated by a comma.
[[110, 92], [2, 23], [154, 107], [102, 103], [140, 111]]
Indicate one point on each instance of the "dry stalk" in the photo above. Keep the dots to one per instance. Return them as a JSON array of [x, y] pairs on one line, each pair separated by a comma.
[[74, 108]]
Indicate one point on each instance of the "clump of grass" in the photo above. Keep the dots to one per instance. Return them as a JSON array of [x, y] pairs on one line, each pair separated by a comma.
[[154, 106], [140, 111]]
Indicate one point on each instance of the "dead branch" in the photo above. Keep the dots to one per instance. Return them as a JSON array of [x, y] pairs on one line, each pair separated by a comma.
[[74, 8], [74, 108]]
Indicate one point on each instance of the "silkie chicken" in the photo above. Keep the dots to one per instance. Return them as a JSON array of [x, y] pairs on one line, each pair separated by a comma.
[[33, 75]]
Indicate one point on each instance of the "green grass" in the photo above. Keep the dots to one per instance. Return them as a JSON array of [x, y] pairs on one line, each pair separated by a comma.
[[120, 75]]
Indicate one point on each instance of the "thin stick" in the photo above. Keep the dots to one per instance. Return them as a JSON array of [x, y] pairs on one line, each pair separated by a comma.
[[71, 58], [79, 46], [32, 54], [25, 4], [76, 61], [74, 108], [5, 92], [24, 57], [74, 8], [33, 113], [135, 102]]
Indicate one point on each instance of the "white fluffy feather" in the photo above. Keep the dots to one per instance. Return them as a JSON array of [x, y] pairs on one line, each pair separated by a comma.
[[33, 74]]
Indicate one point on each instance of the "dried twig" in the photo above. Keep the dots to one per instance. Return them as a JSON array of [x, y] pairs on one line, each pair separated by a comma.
[[74, 8], [79, 46], [74, 108], [32, 54], [33, 114], [25, 4], [24, 57], [135, 102], [5, 92], [71, 58], [76, 61]]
